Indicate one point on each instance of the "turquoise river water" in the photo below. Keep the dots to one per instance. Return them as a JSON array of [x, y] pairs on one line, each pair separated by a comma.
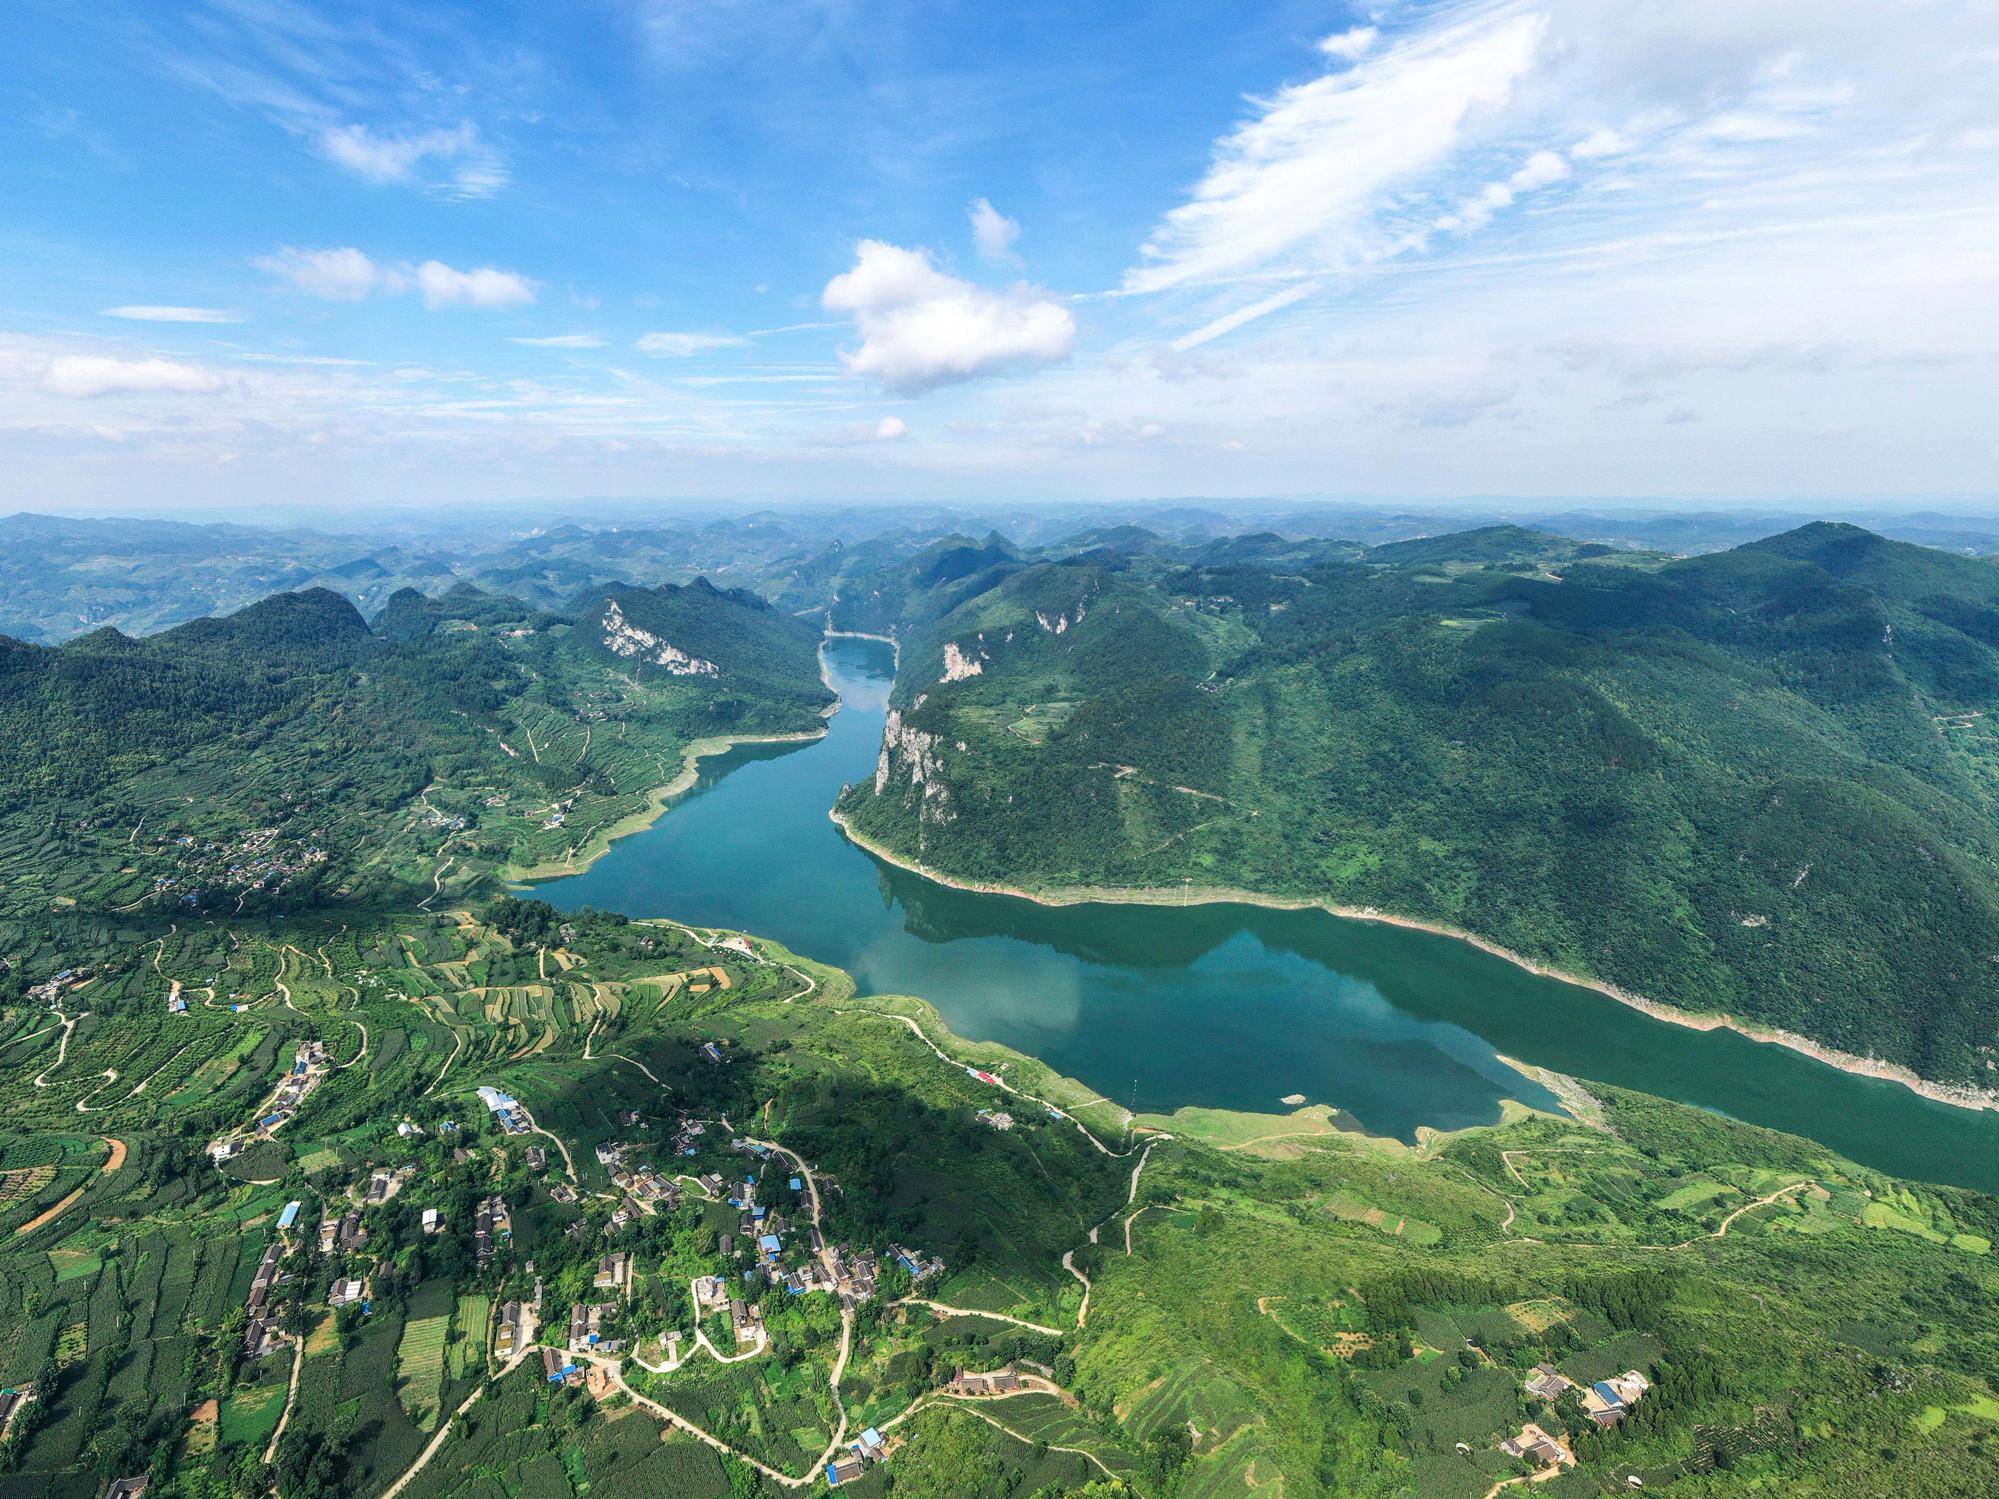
[[1229, 1006]]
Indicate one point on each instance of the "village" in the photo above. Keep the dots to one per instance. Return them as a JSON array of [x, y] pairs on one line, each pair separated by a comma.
[[757, 1206], [257, 859]]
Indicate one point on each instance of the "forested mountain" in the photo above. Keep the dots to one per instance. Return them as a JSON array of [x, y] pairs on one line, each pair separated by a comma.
[[289, 754], [1758, 781]]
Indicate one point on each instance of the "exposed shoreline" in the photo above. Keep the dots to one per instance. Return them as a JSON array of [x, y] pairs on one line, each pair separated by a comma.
[[599, 843], [1893, 1072]]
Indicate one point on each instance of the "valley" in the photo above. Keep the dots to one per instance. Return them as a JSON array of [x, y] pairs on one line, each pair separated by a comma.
[[593, 1113]]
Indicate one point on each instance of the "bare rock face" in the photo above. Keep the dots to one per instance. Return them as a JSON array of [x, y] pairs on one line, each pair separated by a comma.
[[624, 638], [913, 756], [958, 665], [1056, 624]]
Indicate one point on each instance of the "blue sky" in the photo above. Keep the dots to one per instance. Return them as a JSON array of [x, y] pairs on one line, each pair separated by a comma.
[[259, 250]]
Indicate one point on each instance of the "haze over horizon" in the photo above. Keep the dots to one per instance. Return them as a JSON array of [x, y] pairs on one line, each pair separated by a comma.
[[262, 253]]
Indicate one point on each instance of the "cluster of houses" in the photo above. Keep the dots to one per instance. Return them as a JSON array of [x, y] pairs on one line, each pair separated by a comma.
[[308, 1067], [344, 1233], [997, 1118], [614, 1273], [256, 862], [50, 990], [1536, 1446], [1606, 1402], [307, 1070], [644, 1184], [711, 1293], [919, 1266], [848, 1274], [684, 1138], [260, 1330], [507, 1109], [869, 1447], [490, 1221], [589, 1328], [999, 1382], [514, 1327]]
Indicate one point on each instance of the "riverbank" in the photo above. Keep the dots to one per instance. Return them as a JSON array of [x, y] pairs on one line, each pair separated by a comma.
[[599, 843], [1964, 1098]]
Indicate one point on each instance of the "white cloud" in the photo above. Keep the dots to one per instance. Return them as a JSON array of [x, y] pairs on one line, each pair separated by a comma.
[[889, 428], [148, 314], [1543, 168], [685, 345], [921, 328], [886, 275], [563, 341], [1602, 141], [472, 169], [1303, 178], [444, 286], [344, 275], [1350, 46], [993, 232], [99, 375], [348, 275]]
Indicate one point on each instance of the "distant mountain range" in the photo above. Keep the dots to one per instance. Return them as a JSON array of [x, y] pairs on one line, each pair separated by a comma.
[[61, 577]]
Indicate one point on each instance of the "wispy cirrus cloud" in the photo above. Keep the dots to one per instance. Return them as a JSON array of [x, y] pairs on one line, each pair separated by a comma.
[[162, 314], [453, 162], [685, 345], [1302, 182], [564, 341]]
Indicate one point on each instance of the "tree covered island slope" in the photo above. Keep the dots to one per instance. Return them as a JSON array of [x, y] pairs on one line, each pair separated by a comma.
[[1060, 1302], [1758, 782], [292, 754]]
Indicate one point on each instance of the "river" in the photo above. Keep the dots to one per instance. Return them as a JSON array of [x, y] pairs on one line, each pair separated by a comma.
[[1222, 1005]]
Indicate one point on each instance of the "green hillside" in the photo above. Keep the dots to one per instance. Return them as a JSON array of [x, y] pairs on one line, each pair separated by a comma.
[[288, 754], [256, 955], [1199, 1304], [1758, 781]]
